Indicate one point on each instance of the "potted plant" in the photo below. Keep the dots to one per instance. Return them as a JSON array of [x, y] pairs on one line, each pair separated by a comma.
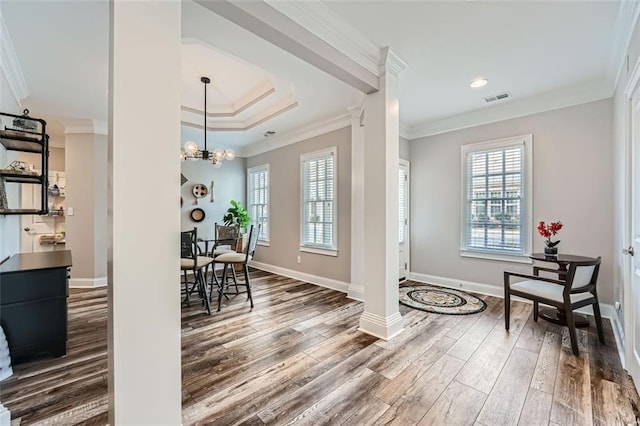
[[236, 215], [548, 231]]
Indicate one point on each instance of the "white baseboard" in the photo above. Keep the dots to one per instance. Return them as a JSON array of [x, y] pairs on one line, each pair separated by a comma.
[[5, 416], [356, 292], [302, 276], [496, 291], [385, 328], [618, 333], [87, 282]]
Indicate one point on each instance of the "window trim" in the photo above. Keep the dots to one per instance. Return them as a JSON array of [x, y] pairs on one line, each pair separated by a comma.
[[257, 169], [527, 204], [314, 248]]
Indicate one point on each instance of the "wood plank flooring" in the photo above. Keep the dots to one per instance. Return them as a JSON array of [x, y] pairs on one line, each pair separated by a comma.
[[298, 358]]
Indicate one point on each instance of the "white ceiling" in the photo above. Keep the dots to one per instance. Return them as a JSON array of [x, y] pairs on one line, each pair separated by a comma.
[[527, 48]]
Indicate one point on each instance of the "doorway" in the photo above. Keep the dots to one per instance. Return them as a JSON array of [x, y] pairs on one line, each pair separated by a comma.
[[631, 300], [403, 235]]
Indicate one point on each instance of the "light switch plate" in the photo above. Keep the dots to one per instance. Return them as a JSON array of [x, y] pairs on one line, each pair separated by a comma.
[[70, 211]]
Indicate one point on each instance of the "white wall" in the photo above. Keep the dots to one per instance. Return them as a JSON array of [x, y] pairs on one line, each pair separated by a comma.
[[572, 182], [229, 184], [9, 225]]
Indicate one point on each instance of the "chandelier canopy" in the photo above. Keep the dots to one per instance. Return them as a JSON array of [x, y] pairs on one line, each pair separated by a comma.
[[191, 150]]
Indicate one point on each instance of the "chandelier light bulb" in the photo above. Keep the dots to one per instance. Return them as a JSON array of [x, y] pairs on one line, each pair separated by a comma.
[[218, 154], [191, 147], [229, 154]]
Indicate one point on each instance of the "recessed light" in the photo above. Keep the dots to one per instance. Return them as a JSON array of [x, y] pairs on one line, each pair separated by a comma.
[[479, 82]]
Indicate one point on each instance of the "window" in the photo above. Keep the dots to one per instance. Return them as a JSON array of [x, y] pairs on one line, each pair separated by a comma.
[[319, 202], [258, 195], [496, 198]]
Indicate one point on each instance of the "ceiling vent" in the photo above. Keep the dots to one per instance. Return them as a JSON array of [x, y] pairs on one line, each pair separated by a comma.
[[498, 97]]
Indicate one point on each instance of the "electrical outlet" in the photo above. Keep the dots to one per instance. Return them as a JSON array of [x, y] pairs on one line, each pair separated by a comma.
[[299, 259]]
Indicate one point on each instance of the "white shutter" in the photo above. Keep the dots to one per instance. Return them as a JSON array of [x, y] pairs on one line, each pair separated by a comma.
[[258, 194], [318, 199], [494, 199]]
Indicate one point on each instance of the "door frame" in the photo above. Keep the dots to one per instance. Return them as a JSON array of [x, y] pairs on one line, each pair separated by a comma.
[[631, 175], [407, 164]]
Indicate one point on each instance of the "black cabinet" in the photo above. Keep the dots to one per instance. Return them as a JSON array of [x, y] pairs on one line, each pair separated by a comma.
[[33, 304]]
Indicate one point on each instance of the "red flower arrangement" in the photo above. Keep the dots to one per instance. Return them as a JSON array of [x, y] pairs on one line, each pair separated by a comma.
[[549, 230]]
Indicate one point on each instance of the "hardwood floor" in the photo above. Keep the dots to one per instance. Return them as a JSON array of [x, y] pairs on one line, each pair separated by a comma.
[[298, 358]]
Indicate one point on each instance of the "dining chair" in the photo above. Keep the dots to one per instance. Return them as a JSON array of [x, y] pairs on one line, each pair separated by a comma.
[[233, 259], [190, 260], [575, 289]]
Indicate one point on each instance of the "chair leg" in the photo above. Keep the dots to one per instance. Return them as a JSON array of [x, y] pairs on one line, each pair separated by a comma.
[[507, 309], [203, 292], [186, 288], [246, 279], [598, 317], [535, 311], [572, 330], [222, 284], [235, 278], [214, 279]]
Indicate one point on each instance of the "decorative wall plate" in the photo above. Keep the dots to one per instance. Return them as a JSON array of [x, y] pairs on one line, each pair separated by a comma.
[[197, 215], [199, 190]]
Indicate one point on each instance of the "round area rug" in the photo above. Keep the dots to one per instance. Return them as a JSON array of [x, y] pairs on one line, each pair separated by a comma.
[[441, 300]]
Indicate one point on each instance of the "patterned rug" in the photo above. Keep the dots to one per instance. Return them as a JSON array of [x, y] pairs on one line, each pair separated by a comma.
[[441, 300]]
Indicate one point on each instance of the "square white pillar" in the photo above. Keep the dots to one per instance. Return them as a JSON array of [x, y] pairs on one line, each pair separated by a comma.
[[381, 315], [143, 213]]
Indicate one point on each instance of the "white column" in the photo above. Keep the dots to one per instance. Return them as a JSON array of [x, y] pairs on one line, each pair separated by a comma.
[[86, 196], [144, 196], [381, 316], [356, 286]]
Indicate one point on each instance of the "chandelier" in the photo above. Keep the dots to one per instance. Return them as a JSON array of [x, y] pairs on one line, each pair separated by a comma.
[[191, 150]]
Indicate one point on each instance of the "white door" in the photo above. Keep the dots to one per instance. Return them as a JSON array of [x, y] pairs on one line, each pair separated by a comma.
[[403, 180], [33, 226], [632, 293]]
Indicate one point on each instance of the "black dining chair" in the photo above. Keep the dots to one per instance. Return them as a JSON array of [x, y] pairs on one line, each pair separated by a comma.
[[575, 288], [190, 260], [233, 259]]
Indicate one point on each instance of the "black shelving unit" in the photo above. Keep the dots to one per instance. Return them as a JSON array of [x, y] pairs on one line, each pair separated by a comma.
[[26, 134]]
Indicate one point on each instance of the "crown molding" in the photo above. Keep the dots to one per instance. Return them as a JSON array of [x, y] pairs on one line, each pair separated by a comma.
[[317, 18], [261, 92], [95, 127], [264, 115], [405, 130], [392, 62], [297, 135], [626, 21], [10, 65], [515, 108]]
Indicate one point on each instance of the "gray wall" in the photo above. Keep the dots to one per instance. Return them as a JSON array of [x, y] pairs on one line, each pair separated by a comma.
[[572, 182], [229, 184], [86, 169], [9, 225], [284, 208], [404, 149]]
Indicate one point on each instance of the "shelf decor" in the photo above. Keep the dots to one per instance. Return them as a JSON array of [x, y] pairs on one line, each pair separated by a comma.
[[23, 133]]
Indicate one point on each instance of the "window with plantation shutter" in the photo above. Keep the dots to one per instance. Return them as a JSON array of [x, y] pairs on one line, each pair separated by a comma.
[[258, 195], [497, 199], [319, 202], [402, 181]]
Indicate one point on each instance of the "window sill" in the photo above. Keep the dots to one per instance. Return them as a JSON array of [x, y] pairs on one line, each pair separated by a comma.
[[264, 243], [316, 250], [514, 258]]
